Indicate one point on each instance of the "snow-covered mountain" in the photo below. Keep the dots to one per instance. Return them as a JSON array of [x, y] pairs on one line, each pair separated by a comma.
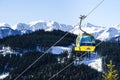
[[101, 33], [47, 26], [6, 30]]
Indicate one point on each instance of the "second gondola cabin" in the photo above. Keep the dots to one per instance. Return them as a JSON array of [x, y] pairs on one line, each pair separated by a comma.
[[85, 43]]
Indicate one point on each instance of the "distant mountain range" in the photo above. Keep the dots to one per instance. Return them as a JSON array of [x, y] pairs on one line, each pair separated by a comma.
[[101, 33]]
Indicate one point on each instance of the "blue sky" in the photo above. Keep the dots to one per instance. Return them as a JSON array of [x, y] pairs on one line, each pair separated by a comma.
[[62, 11]]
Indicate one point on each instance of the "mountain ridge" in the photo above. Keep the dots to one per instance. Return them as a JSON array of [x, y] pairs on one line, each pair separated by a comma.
[[99, 32]]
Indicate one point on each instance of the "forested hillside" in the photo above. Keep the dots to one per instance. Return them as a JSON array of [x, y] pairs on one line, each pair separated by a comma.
[[48, 65], [110, 51], [45, 68], [41, 38]]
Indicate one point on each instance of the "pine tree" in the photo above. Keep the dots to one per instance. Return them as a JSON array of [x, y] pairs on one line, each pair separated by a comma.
[[111, 74]]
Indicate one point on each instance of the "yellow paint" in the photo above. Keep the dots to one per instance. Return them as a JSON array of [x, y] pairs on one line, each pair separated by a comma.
[[85, 48]]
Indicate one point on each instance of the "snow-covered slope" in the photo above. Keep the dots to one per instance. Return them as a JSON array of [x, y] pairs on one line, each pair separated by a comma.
[[36, 25], [108, 33], [4, 75], [104, 33], [94, 61], [48, 26], [5, 30], [22, 26], [101, 33], [59, 49], [4, 25]]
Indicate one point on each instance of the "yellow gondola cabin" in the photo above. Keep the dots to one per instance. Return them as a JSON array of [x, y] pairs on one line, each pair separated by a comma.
[[85, 43]]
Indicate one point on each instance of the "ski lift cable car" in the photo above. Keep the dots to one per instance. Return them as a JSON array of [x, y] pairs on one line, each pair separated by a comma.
[[85, 42]]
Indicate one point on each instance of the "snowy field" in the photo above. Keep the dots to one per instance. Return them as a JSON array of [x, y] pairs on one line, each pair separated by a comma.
[[94, 61], [4, 75]]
